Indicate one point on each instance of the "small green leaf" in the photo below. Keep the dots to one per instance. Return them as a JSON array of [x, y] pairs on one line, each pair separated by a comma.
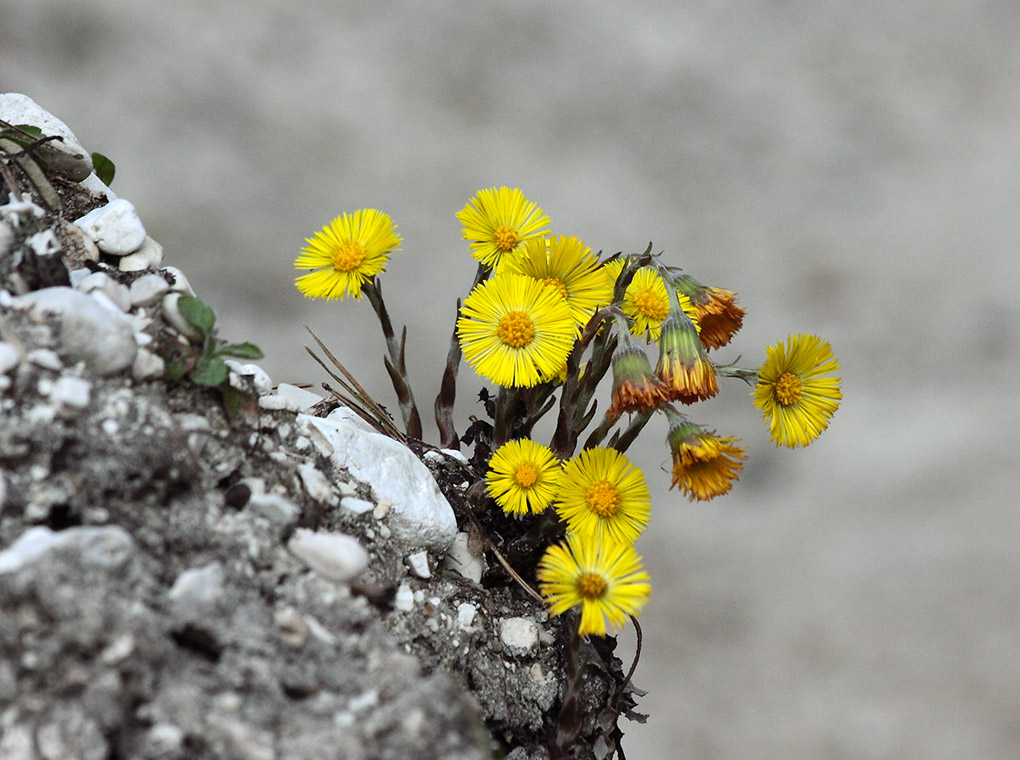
[[209, 370], [30, 129], [174, 370], [196, 312], [238, 404], [104, 168], [241, 351]]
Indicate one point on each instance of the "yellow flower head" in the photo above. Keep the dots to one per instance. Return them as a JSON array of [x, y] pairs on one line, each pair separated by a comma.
[[605, 579], [646, 300], [498, 221], [515, 331], [704, 464], [602, 494], [346, 253], [566, 265], [716, 309], [522, 477], [796, 399]]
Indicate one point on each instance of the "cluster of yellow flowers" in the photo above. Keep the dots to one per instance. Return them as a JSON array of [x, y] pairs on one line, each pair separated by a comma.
[[538, 301]]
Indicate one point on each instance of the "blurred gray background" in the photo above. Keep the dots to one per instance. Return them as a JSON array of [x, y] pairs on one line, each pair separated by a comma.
[[850, 168]]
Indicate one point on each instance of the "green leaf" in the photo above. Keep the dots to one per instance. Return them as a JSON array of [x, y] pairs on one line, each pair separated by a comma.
[[175, 370], [196, 312], [104, 168], [30, 129], [241, 351], [209, 370], [239, 404]]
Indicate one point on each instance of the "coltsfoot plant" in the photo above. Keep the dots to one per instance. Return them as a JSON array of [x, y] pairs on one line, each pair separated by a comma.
[[545, 323]]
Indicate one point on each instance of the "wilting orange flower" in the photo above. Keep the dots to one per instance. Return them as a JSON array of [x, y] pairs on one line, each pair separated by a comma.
[[683, 368], [716, 309], [635, 388], [704, 464]]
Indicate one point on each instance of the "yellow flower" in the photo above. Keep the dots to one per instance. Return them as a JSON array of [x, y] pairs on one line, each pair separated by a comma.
[[498, 222], [346, 253], [522, 477], [796, 400], [515, 331], [566, 265], [646, 301], [602, 494], [605, 579], [704, 464]]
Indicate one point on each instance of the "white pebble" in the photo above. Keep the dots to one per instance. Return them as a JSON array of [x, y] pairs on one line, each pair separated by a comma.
[[356, 505], [147, 289], [43, 243], [197, 587], [316, 484], [181, 284], [466, 615], [71, 393], [149, 256], [289, 397], [460, 559], [147, 366], [9, 357], [263, 384], [335, 556], [274, 507], [418, 563], [518, 632], [116, 228], [404, 600], [45, 358]]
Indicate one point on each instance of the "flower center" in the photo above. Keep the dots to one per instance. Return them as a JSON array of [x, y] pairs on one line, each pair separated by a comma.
[[603, 498], [526, 476], [788, 389], [591, 586], [516, 329], [506, 238], [557, 285], [651, 304], [348, 256]]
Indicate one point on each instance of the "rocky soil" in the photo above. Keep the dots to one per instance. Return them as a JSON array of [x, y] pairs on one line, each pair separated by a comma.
[[185, 578]]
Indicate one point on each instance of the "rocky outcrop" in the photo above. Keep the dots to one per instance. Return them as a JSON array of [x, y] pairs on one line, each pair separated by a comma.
[[232, 570]]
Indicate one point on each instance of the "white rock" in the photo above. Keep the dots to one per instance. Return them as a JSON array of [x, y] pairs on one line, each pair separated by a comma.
[[274, 507], [356, 505], [102, 338], [404, 599], [181, 284], [45, 358], [147, 366], [103, 283], [116, 228], [466, 615], [420, 516], [147, 289], [316, 484], [16, 108], [44, 243], [172, 314], [106, 546], [90, 280], [335, 556], [518, 632], [342, 413], [263, 384], [460, 559], [290, 398], [9, 357], [197, 589], [116, 300], [149, 256], [71, 393], [418, 563], [97, 187], [6, 238]]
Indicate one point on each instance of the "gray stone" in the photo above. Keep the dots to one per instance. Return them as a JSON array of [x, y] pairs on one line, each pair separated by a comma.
[[88, 332], [147, 289], [335, 556]]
